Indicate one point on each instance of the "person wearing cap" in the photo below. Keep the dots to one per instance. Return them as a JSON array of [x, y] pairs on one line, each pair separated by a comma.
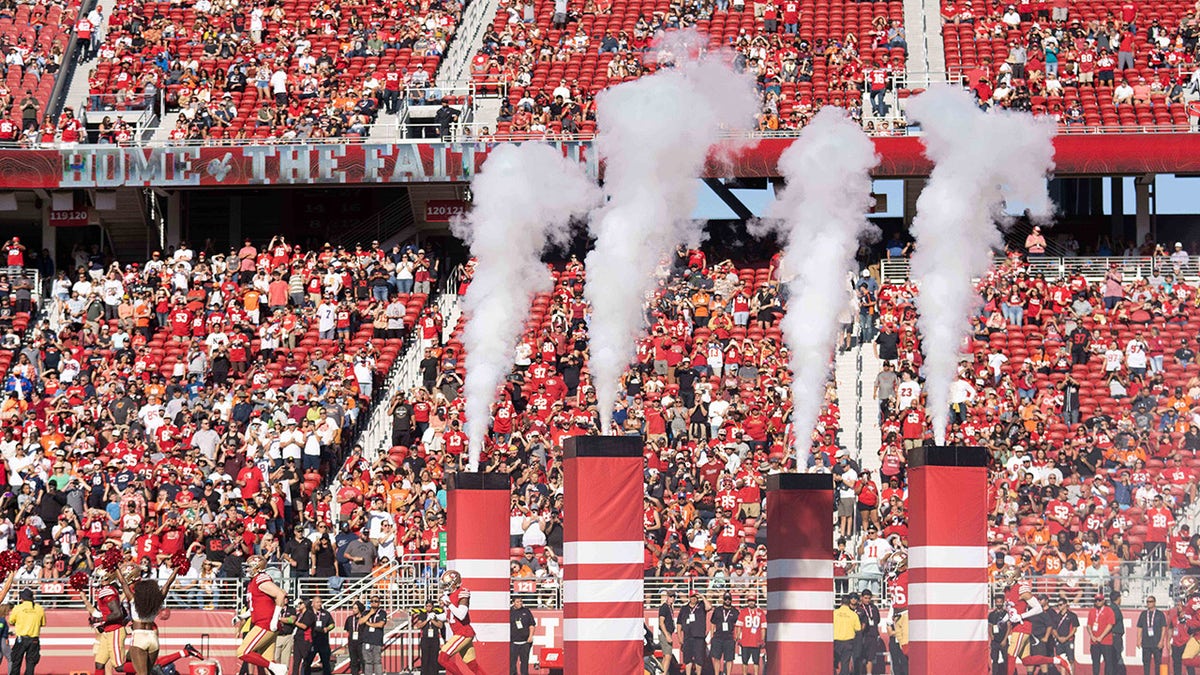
[[1179, 257], [521, 623], [1152, 635], [1066, 624], [1099, 632], [26, 620], [869, 643], [722, 647], [751, 635], [846, 627], [666, 628], [692, 623]]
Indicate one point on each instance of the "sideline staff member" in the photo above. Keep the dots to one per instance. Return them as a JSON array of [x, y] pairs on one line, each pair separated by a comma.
[[846, 627], [26, 620], [520, 624]]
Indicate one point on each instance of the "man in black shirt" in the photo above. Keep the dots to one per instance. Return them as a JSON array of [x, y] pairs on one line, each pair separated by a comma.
[[297, 554], [354, 635], [402, 421], [322, 624], [887, 344], [302, 643], [1042, 633], [1152, 635], [724, 619], [1118, 636], [869, 642], [693, 625], [999, 635], [1066, 623], [1080, 338], [520, 625], [666, 628], [429, 622], [374, 620]]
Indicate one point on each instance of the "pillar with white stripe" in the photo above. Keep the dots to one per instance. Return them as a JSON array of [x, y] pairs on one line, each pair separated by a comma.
[[477, 509], [799, 573], [947, 560], [603, 555]]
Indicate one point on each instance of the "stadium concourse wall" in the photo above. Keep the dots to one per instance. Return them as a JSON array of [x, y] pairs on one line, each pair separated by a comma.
[[67, 639], [180, 166]]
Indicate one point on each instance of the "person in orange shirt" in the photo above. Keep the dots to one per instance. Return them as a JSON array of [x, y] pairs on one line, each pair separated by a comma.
[[141, 316], [1040, 535], [1050, 560], [251, 300]]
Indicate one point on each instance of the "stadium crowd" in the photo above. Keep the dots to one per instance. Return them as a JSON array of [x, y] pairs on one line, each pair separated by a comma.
[[1087, 63], [197, 403], [205, 401], [552, 59]]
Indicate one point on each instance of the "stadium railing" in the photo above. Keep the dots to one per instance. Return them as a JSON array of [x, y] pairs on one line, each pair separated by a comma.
[[1079, 588], [1093, 268]]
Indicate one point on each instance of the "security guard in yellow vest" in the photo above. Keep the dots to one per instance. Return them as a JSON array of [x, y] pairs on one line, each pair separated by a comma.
[[26, 620]]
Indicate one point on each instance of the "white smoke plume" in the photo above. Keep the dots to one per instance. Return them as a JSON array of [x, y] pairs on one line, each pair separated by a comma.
[[820, 217], [524, 200], [980, 160], [654, 136]]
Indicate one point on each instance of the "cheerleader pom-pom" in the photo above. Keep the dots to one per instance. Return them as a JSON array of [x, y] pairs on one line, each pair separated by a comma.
[[9, 562], [78, 581], [110, 559], [180, 562]]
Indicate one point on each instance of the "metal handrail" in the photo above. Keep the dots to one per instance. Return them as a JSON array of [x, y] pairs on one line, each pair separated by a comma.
[[1093, 268], [66, 72]]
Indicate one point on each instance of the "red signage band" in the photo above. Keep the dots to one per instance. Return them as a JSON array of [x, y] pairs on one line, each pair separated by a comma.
[[393, 163]]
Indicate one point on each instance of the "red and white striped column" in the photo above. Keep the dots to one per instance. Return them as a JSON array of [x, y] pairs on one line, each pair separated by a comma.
[[947, 560], [477, 508], [603, 555], [799, 573]]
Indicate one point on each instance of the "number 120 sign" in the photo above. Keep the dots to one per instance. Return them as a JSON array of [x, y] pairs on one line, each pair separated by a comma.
[[444, 210]]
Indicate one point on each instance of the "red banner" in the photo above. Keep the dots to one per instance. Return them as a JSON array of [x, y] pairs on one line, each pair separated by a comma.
[[390, 163], [444, 210]]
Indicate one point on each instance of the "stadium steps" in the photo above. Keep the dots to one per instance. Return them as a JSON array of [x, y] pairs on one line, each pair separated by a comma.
[[77, 91], [855, 383], [871, 436], [846, 374], [486, 111], [162, 133], [127, 227], [405, 374], [455, 69], [923, 27]]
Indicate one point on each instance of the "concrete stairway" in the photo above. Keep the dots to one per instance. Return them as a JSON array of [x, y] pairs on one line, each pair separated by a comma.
[[855, 381]]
